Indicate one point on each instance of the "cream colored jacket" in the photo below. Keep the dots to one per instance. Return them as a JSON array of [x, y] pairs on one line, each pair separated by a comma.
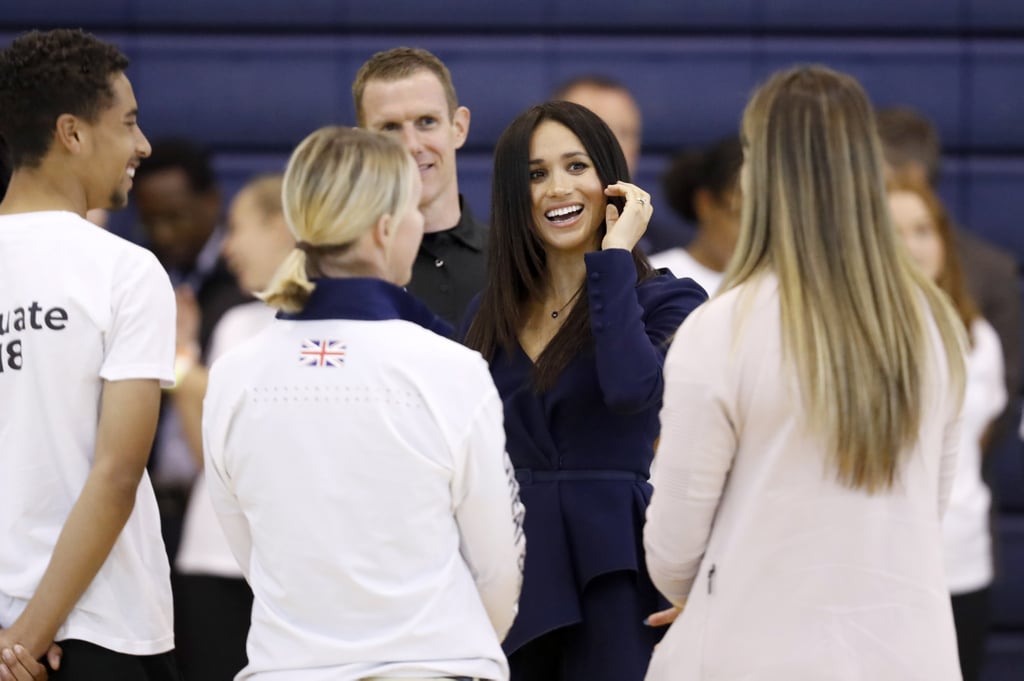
[[789, 575]]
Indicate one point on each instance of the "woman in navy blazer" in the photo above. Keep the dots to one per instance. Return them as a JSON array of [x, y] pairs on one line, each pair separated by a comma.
[[575, 325]]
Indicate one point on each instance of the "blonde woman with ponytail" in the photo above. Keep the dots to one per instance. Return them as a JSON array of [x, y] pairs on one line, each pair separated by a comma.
[[356, 457], [810, 420]]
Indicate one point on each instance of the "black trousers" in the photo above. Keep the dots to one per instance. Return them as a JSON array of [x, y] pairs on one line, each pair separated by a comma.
[[972, 613], [211, 625], [84, 661]]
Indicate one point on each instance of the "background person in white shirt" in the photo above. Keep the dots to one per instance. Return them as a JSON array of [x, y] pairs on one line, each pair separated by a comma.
[[87, 336], [355, 458], [212, 600], [925, 229], [703, 186], [810, 423]]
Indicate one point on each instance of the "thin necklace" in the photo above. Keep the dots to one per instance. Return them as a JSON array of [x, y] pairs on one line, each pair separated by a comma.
[[555, 313]]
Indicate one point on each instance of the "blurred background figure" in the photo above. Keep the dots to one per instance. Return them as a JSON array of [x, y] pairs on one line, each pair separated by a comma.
[[179, 207], [614, 104], [212, 599], [912, 152], [925, 229], [702, 186]]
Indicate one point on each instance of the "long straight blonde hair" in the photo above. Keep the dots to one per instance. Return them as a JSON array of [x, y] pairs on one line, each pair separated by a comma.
[[854, 309]]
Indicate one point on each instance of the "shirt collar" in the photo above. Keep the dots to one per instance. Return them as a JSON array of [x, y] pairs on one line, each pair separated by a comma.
[[468, 230], [368, 300]]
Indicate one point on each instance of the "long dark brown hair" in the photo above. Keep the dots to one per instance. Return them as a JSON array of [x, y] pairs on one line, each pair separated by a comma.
[[517, 263]]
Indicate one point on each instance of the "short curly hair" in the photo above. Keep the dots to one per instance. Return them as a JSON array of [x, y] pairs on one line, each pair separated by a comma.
[[44, 75]]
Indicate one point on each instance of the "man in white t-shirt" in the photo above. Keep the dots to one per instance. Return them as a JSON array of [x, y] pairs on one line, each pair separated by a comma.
[[86, 339]]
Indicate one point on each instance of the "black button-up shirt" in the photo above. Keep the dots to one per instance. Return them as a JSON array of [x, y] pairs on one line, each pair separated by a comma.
[[451, 267]]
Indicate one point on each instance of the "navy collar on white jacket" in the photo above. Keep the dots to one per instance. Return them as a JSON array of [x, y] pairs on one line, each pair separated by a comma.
[[366, 299]]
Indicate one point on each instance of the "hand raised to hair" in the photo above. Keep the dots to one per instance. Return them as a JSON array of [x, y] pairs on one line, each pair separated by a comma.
[[625, 230]]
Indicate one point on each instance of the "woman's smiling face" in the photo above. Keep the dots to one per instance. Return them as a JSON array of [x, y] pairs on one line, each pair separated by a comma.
[[567, 194]]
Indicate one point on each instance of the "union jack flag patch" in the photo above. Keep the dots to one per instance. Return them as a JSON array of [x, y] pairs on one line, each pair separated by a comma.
[[322, 353]]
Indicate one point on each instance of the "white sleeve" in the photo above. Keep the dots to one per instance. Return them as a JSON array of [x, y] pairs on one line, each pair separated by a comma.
[[489, 513], [987, 364], [140, 341], [218, 412], [695, 453], [947, 465]]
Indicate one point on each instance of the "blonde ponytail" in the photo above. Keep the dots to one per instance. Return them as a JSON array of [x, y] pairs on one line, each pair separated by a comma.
[[290, 288], [338, 184]]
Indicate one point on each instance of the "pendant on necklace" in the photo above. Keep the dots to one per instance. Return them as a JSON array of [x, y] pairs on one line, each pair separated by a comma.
[[555, 313]]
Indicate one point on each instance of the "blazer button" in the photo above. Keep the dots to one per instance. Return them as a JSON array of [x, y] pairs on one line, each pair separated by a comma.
[[439, 263]]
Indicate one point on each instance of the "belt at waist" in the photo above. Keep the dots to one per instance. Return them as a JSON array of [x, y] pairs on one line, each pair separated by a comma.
[[527, 476]]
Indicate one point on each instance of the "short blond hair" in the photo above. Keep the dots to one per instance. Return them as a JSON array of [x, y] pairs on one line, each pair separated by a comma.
[[339, 183], [399, 63]]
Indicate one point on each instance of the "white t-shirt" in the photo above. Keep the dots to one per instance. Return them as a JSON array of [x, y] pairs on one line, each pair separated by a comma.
[[78, 306], [966, 537], [368, 500], [204, 549], [679, 262]]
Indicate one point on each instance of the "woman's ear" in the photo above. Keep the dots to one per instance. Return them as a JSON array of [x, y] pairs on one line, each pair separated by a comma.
[[383, 231]]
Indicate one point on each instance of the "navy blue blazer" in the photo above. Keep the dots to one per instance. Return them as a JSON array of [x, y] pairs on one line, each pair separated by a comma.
[[583, 450]]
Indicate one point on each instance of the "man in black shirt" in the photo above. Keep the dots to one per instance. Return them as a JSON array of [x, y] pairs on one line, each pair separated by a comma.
[[408, 92]]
